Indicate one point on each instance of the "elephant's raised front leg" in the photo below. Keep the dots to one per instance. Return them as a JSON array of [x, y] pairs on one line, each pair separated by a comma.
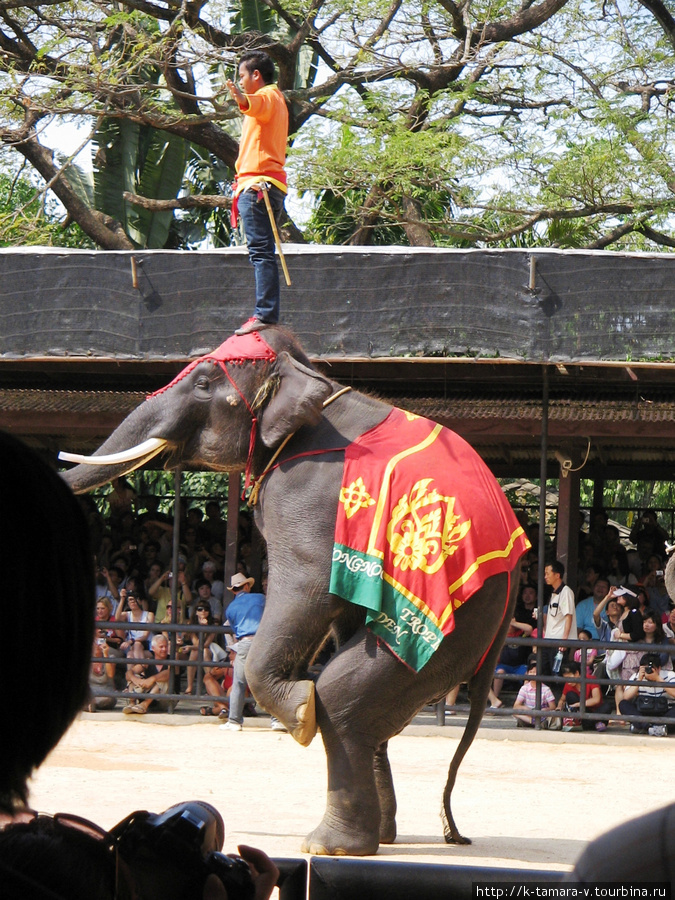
[[289, 636]]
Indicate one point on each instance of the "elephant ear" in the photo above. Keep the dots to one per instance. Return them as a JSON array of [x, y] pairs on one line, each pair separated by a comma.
[[298, 400]]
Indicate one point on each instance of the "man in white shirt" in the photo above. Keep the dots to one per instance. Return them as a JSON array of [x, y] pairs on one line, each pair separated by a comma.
[[559, 617]]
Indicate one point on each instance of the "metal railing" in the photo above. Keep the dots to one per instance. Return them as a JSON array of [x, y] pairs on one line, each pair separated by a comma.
[[176, 665], [553, 681]]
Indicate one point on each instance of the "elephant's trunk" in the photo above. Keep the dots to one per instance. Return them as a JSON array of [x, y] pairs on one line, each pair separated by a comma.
[[135, 441]]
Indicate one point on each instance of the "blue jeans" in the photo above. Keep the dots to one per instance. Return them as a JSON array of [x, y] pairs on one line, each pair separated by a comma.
[[260, 242], [239, 683]]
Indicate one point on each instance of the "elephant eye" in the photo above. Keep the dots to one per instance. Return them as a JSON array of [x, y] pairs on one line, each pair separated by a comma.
[[203, 383]]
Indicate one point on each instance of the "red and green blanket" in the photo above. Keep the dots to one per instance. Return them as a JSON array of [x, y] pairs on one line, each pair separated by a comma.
[[421, 524]]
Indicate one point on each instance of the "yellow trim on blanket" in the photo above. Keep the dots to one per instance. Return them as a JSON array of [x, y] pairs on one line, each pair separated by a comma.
[[416, 602], [494, 554], [384, 487]]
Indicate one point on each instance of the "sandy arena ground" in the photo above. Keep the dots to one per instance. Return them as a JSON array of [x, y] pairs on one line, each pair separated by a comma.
[[530, 800]]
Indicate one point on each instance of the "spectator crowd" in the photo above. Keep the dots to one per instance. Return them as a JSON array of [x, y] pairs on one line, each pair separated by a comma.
[[621, 599], [135, 593]]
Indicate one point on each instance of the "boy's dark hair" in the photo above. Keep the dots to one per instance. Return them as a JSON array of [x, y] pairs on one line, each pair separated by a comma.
[[257, 59], [652, 659], [571, 666]]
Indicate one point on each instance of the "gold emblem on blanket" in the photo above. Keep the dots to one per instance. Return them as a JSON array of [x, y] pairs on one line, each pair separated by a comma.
[[355, 497], [424, 530]]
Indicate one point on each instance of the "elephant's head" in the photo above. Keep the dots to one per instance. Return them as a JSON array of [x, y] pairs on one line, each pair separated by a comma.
[[219, 413]]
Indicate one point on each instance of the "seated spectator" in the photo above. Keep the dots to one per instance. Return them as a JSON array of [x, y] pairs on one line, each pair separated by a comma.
[[214, 524], [651, 698], [631, 618], [218, 682], [198, 644], [570, 699], [669, 626], [619, 573], [204, 595], [151, 676], [591, 574], [655, 584], [160, 591], [104, 614], [114, 576], [648, 532], [211, 574], [591, 652], [513, 658], [101, 676], [135, 641], [655, 634], [585, 609], [527, 698], [149, 556]]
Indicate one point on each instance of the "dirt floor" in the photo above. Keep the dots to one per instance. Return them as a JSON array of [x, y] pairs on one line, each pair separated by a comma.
[[530, 800]]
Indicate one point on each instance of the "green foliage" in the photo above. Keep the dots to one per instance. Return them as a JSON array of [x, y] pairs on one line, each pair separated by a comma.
[[487, 124], [25, 221]]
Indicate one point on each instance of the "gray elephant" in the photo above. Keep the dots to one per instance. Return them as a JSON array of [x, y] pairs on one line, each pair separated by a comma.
[[257, 403]]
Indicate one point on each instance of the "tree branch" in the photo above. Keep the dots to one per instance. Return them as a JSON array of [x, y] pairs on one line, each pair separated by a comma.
[[197, 201]]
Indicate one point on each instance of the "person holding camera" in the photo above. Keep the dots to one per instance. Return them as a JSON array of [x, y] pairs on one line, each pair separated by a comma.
[[63, 856], [650, 696], [135, 641]]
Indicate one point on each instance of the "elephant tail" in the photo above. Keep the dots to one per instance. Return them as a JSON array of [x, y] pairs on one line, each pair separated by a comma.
[[479, 688]]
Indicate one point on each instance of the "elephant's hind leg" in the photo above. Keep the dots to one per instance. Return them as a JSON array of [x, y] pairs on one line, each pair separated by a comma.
[[385, 792]]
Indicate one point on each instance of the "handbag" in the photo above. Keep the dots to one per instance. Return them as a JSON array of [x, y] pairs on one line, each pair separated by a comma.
[[649, 705]]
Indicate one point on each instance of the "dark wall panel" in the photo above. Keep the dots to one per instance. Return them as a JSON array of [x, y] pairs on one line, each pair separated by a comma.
[[343, 302]]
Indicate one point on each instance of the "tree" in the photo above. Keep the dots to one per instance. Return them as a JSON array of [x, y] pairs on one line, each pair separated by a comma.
[[457, 124], [26, 219]]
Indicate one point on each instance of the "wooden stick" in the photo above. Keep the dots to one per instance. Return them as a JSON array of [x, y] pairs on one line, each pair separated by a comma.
[[277, 239]]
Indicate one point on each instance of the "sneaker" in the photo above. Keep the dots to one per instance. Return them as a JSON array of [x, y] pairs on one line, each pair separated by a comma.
[[249, 326], [600, 726], [658, 731], [278, 726], [230, 726]]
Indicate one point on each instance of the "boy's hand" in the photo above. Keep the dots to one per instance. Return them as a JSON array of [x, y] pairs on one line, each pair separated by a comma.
[[235, 93]]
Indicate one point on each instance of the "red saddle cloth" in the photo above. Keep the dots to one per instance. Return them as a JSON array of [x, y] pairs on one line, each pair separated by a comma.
[[421, 524]]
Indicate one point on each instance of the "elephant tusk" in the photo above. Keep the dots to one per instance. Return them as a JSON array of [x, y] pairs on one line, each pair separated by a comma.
[[148, 449]]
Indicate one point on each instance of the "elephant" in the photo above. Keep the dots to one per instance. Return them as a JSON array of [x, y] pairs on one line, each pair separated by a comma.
[[271, 411]]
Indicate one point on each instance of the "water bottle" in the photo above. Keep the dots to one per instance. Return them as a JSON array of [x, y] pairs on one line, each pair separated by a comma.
[[557, 662]]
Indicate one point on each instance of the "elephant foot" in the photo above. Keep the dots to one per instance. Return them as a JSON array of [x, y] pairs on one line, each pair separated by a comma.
[[327, 841], [298, 713], [387, 831]]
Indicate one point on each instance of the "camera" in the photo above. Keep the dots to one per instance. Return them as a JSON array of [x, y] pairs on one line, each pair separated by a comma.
[[171, 854], [649, 668]]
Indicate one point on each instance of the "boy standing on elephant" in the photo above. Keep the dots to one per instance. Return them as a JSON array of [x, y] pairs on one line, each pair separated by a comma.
[[260, 172]]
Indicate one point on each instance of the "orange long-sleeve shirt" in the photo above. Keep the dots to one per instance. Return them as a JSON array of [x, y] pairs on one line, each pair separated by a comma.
[[262, 148]]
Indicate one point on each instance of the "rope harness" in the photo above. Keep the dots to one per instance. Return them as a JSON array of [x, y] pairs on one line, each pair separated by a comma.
[[272, 464]]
